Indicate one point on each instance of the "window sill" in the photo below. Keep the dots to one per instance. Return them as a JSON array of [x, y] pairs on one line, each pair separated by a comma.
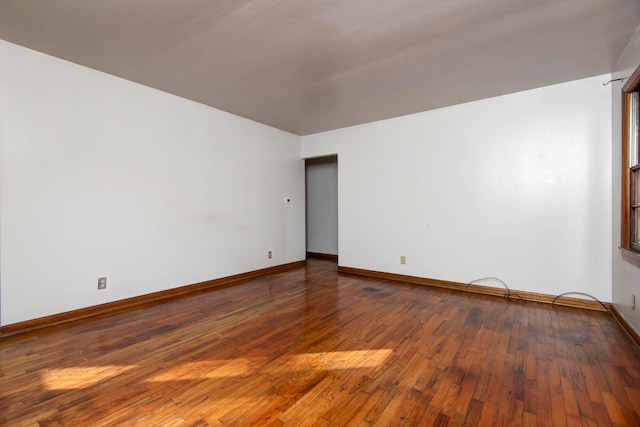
[[632, 257]]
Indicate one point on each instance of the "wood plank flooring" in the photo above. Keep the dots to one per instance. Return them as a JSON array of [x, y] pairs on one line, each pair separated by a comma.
[[311, 347]]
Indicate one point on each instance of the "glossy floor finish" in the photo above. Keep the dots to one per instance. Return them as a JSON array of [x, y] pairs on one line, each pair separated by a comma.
[[311, 347]]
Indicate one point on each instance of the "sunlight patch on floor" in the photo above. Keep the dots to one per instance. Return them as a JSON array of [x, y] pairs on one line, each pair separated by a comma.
[[325, 361], [86, 376], [80, 376], [203, 370]]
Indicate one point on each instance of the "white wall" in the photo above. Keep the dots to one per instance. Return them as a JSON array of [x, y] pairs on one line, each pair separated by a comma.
[[517, 187], [626, 277], [104, 177], [322, 205]]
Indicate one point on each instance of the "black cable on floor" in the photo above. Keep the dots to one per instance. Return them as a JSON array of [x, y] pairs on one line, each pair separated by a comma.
[[580, 293], [509, 296]]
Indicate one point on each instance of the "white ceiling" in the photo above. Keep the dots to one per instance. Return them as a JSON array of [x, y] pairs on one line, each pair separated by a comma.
[[312, 65]]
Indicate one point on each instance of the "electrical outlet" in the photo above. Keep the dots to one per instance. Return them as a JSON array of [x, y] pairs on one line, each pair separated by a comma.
[[269, 254], [633, 302], [102, 283], [403, 260]]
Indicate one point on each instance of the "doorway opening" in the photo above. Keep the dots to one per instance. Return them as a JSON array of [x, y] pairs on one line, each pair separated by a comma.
[[321, 180]]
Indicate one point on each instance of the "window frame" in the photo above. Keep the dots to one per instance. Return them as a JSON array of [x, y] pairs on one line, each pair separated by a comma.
[[630, 206]]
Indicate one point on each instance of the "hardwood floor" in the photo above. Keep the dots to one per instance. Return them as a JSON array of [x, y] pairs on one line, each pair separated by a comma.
[[311, 347]]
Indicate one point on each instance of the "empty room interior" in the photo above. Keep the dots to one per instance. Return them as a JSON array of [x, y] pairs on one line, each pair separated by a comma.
[[325, 213]]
